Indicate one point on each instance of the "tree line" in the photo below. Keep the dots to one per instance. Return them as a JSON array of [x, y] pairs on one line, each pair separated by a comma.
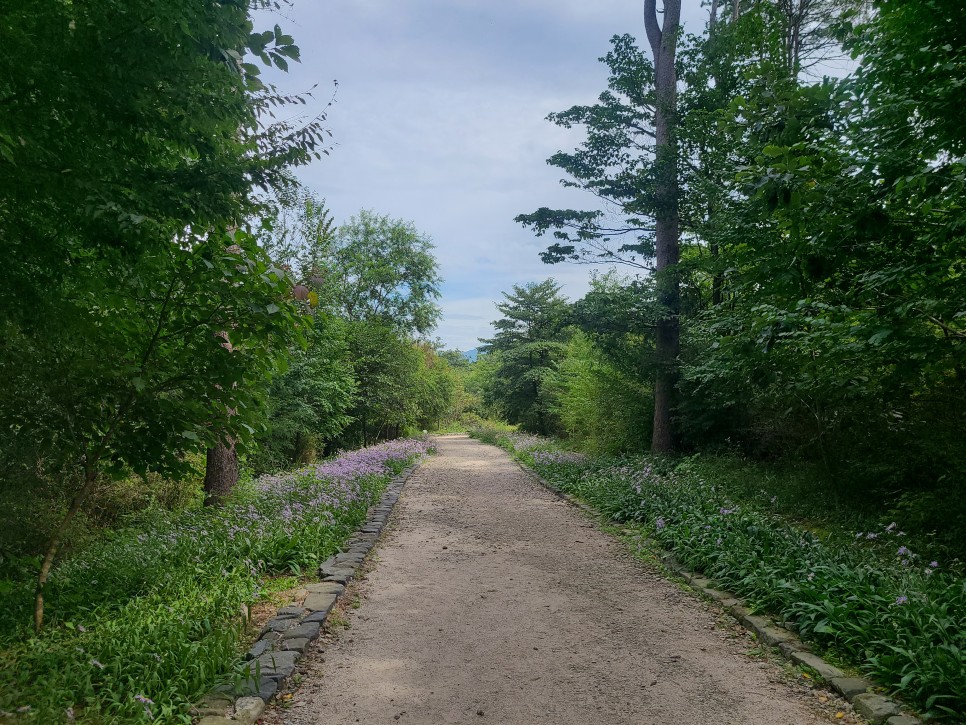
[[793, 244], [169, 290]]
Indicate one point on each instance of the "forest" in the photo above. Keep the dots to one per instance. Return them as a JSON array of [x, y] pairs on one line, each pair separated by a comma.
[[781, 322], [207, 379]]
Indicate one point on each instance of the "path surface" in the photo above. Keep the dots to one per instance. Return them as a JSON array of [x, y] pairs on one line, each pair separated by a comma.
[[493, 601]]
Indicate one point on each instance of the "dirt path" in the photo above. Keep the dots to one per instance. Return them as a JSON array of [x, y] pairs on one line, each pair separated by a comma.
[[494, 601]]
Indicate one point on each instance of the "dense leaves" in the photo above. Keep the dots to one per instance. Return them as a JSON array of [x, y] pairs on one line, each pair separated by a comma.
[[822, 293]]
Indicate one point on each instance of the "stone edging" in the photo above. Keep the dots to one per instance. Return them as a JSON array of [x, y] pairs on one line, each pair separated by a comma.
[[285, 637], [876, 708]]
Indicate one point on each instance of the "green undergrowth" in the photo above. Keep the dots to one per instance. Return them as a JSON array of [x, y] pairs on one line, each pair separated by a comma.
[[143, 622], [867, 597]]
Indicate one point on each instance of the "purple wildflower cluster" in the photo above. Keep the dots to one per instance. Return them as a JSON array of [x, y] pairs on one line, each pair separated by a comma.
[[317, 494], [548, 458], [526, 441], [905, 556], [348, 466], [643, 476]]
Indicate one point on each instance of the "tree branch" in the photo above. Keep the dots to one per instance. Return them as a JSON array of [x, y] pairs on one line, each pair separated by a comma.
[[650, 24]]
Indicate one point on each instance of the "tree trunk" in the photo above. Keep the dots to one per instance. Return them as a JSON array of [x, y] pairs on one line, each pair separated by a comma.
[[90, 476], [221, 472], [663, 41], [717, 281], [304, 449]]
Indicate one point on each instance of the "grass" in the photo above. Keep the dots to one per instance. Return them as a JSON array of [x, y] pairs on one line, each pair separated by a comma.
[[867, 596], [144, 622]]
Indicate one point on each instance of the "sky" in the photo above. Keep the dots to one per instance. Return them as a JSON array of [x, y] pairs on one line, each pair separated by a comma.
[[440, 119]]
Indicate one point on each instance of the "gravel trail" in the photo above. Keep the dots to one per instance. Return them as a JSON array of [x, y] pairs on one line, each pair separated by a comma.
[[494, 601]]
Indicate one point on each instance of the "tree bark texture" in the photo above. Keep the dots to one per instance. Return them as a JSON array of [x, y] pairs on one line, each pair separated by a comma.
[[663, 40], [221, 472]]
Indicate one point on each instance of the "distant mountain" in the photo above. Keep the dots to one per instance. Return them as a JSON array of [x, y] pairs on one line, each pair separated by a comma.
[[471, 355]]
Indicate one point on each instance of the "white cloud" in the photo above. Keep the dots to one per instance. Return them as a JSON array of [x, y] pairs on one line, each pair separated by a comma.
[[439, 119]]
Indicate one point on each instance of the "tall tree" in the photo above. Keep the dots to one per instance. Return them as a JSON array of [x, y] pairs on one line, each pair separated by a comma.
[[663, 38], [631, 157], [529, 341], [383, 270]]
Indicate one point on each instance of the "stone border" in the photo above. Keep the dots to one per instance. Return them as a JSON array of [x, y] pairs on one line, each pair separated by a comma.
[[286, 636], [876, 708]]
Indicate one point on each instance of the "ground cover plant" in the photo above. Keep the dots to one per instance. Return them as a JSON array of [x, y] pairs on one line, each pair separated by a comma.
[[144, 622], [873, 601]]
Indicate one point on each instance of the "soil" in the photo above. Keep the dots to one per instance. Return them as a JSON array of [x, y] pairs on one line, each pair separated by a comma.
[[492, 600]]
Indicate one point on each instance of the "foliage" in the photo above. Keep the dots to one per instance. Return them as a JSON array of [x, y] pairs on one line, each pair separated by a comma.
[[601, 409], [529, 341], [152, 611], [438, 390], [138, 323], [464, 403], [821, 268], [383, 271], [872, 600], [362, 378], [308, 405], [155, 366], [387, 368], [298, 231]]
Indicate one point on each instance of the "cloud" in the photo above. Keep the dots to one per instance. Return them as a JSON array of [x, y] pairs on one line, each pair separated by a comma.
[[440, 119]]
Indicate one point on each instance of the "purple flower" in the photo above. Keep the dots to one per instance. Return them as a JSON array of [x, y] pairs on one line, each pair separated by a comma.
[[660, 523], [890, 527], [81, 628], [144, 700], [933, 564], [902, 599], [97, 664], [902, 551], [871, 535], [725, 512], [905, 562], [718, 542]]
